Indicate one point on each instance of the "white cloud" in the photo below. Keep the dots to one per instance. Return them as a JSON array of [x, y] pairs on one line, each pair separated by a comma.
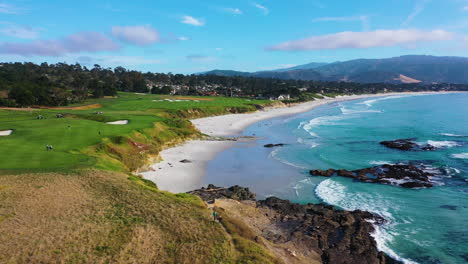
[[183, 38], [75, 43], [420, 6], [24, 32], [363, 40], [465, 8], [235, 11], [8, 9], [138, 35], [218, 49], [363, 19], [264, 9], [192, 21]]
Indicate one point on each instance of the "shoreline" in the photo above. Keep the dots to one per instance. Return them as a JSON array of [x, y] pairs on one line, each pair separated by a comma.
[[175, 176]]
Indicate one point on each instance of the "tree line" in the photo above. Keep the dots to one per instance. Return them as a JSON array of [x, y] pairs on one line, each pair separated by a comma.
[[29, 84]]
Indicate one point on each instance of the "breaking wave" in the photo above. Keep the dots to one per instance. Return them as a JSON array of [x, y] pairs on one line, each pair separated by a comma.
[[372, 101], [310, 143], [460, 156], [274, 155], [443, 144], [335, 193], [452, 135], [308, 126]]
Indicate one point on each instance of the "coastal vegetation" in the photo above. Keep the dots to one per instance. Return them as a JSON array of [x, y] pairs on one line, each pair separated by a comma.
[[68, 189], [83, 139], [81, 203], [29, 84]]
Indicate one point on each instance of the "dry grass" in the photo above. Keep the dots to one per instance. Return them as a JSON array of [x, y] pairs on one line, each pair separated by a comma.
[[80, 107], [249, 245], [250, 222], [99, 217], [18, 109]]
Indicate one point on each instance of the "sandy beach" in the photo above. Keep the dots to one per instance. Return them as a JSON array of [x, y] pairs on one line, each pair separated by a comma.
[[175, 176]]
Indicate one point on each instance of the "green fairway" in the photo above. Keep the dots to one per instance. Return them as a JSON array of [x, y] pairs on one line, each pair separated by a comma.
[[74, 136]]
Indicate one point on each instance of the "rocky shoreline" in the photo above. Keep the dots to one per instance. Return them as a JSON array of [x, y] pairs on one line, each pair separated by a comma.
[[407, 144], [305, 230], [403, 175]]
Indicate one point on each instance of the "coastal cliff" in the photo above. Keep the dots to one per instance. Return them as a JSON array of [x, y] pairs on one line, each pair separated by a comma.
[[298, 233]]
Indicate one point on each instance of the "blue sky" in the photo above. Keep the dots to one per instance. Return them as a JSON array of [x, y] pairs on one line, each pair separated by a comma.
[[183, 36]]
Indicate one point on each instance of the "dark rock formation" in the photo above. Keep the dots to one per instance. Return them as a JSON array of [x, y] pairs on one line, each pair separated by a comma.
[[338, 236], [407, 145], [407, 176], [212, 192], [185, 161], [273, 145], [450, 207]]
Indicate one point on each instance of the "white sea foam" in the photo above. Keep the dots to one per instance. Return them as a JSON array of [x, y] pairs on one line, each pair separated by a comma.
[[372, 101], [382, 237], [334, 193], [379, 162], [443, 144], [452, 135], [274, 155], [460, 156], [296, 189], [310, 143], [347, 111], [331, 192], [306, 181], [319, 121]]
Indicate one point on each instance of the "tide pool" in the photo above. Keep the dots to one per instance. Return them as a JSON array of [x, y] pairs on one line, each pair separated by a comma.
[[423, 225]]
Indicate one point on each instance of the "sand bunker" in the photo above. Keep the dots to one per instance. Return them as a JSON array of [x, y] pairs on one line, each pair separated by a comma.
[[119, 122], [176, 100], [192, 98], [6, 132]]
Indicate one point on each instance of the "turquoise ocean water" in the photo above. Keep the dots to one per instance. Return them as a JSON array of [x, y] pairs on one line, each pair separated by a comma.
[[424, 225]]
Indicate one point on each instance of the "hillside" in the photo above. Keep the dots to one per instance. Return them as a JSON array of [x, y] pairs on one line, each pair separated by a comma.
[[404, 69], [81, 203]]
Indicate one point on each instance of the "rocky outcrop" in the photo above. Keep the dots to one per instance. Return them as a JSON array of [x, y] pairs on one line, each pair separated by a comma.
[[273, 145], [407, 176], [337, 236], [212, 192], [407, 145]]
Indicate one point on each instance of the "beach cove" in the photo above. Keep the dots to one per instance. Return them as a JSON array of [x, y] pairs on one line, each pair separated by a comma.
[[344, 133], [174, 176]]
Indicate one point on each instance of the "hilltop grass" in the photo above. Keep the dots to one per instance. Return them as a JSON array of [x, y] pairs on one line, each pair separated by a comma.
[[81, 131], [103, 217]]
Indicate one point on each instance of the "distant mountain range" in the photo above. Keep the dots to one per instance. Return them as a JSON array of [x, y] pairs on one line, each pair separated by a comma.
[[404, 69]]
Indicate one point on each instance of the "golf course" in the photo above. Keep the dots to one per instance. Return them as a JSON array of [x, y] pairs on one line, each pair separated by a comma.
[[83, 137], [69, 194]]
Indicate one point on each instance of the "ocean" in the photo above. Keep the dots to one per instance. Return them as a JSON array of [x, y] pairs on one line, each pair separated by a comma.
[[423, 225]]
